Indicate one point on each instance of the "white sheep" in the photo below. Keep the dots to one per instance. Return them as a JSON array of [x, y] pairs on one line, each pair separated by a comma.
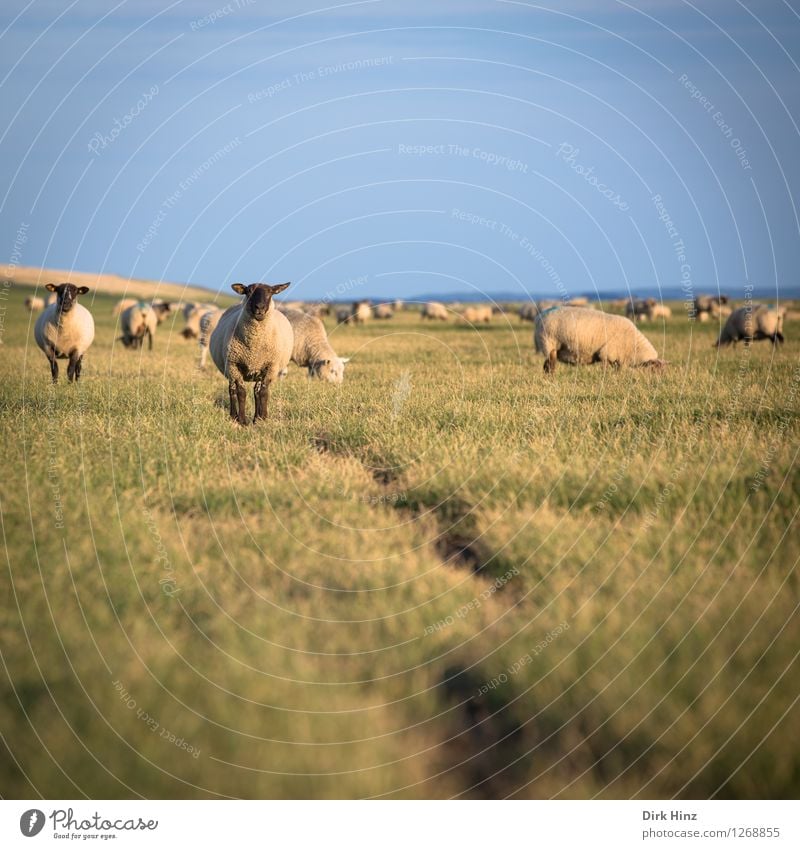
[[474, 315], [434, 311], [528, 311], [581, 336], [311, 348], [208, 323], [65, 330], [384, 311], [136, 322], [34, 304], [361, 312], [252, 343], [751, 323], [123, 304]]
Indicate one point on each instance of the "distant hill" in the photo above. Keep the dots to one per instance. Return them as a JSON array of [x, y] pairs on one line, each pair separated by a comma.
[[110, 284]]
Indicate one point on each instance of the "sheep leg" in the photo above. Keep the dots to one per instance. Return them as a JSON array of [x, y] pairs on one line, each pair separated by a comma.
[[261, 393], [73, 359], [53, 365], [550, 362], [233, 399], [78, 364], [241, 398], [149, 340]]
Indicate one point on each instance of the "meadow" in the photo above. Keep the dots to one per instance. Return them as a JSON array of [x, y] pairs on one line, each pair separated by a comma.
[[452, 576]]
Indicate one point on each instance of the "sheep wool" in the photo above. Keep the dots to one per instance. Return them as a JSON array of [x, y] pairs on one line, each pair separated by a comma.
[[435, 311], [65, 330], [253, 343], [136, 322], [580, 336], [751, 323], [311, 348], [208, 324]]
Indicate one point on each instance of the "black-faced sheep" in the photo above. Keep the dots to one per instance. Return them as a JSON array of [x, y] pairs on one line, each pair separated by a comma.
[[252, 343], [580, 336], [136, 322], [65, 330]]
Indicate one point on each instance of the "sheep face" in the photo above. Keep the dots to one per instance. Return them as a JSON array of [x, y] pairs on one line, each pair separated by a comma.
[[66, 295], [258, 297], [330, 370]]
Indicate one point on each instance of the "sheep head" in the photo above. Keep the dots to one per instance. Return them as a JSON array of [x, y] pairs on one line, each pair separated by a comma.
[[67, 295], [258, 297]]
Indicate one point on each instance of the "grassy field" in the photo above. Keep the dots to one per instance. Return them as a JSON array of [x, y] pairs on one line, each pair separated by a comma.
[[451, 576]]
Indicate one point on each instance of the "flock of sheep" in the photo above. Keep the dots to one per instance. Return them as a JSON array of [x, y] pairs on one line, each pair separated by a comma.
[[255, 340]]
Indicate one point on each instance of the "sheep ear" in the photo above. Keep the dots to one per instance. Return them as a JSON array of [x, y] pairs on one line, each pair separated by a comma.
[[279, 288], [51, 287], [239, 288], [82, 290]]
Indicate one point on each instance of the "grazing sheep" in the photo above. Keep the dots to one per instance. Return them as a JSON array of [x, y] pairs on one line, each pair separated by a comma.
[[528, 311], [208, 323], [65, 330], [361, 312], [34, 304], [657, 311], [252, 343], [123, 304], [136, 322], [709, 306], [398, 305], [435, 311], [581, 336], [311, 348], [384, 311], [750, 323], [474, 315], [342, 315]]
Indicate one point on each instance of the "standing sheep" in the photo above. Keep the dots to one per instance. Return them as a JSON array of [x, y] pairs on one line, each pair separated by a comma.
[[311, 348], [435, 311], [750, 323], [342, 315], [193, 314], [361, 312], [208, 323], [580, 336], [639, 308], [65, 330], [384, 311], [528, 311], [252, 343], [136, 322]]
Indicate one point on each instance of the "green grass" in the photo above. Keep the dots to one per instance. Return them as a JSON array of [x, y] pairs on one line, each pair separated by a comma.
[[354, 599]]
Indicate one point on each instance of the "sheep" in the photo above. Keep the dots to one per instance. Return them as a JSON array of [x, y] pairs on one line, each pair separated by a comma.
[[398, 305], [435, 311], [750, 323], [384, 311], [657, 311], [136, 322], [34, 304], [193, 316], [342, 315], [253, 343], [65, 330], [528, 311], [709, 306], [123, 304], [311, 348], [208, 322], [473, 315], [162, 309], [638, 309], [361, 312], [581, 336]]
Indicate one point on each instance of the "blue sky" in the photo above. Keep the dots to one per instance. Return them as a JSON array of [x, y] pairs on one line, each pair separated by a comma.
[[390, 148]]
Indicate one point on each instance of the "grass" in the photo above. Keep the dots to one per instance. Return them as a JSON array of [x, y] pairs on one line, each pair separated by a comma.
[[450, 576]]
